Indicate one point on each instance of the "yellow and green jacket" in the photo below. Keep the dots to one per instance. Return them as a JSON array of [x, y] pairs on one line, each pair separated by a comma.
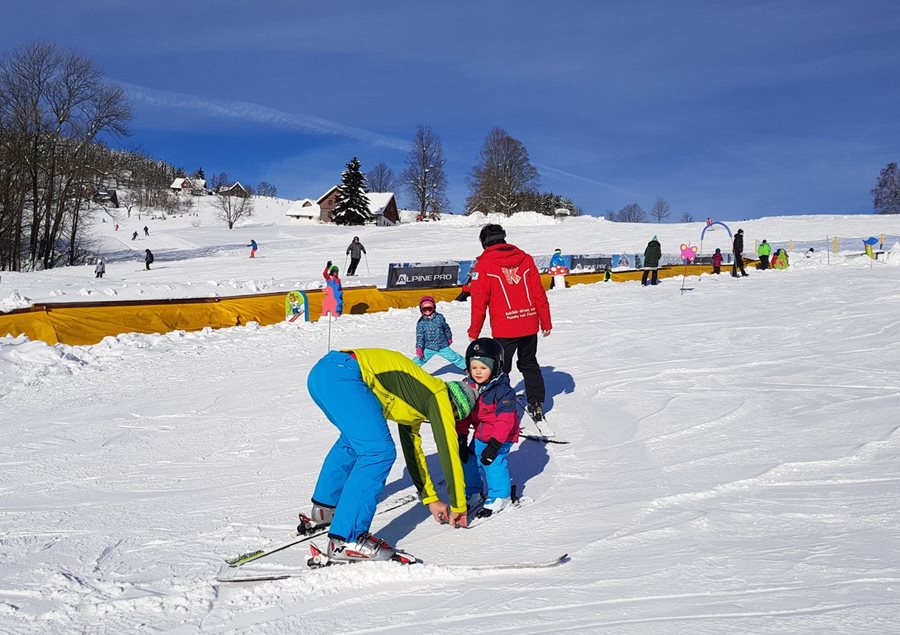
[[409, 396]]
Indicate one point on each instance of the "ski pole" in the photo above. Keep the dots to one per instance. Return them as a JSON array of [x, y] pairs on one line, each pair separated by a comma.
[[329, 330], [368, 272], [345, 263]]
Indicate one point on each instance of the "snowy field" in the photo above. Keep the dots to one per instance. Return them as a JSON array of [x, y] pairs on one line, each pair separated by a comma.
[[734, 463]]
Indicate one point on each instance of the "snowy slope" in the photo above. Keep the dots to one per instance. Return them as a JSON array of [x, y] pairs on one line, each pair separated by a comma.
[[734, 465], [197, 256]]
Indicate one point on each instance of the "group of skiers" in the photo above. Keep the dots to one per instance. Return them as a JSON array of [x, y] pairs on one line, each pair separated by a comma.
[[100, 266], [737, 250], [360, 389], [653, 253]]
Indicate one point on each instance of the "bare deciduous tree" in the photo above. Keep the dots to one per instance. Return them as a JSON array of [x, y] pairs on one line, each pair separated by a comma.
[[661, 209], [54, 108], [266, 189], [231, 209], [219, 180], [502, 173], [632, 213], [381, 178], [687, 218], [424, 177]]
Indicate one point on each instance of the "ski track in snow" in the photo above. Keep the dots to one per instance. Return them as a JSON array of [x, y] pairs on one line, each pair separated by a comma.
[[733, 468]]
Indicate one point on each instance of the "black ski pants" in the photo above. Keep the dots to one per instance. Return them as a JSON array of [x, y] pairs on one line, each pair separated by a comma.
[[654, 277], [525, 348], [354, 263]]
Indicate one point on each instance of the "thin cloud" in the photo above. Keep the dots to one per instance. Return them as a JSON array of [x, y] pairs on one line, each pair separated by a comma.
[[570, 175], [255, 113]]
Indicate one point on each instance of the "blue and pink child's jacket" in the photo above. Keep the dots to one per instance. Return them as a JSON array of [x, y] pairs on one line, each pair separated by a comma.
[[495, 414], [433, 332]]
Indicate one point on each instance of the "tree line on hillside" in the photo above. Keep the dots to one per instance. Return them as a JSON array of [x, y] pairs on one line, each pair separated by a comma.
[[55, 110], [58, 116], [58, 173], [503, 179]]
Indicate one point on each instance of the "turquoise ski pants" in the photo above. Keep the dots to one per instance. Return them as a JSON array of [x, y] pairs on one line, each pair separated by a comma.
[[355, 469], [447, 353], [496, 475]]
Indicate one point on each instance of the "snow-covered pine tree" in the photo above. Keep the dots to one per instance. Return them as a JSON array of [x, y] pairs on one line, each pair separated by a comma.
[[352, 206]]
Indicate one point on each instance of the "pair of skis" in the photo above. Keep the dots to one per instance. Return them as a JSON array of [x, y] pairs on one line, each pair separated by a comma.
[[233, 573], [244, 558], [287, 574]]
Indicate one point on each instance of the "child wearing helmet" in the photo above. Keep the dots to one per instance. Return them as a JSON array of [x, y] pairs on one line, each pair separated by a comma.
[[434, 337], [495, 419], [333, 302]]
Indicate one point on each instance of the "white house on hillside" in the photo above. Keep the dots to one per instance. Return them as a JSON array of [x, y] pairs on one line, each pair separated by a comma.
[[197, 187], [304, 210], [383, 206]]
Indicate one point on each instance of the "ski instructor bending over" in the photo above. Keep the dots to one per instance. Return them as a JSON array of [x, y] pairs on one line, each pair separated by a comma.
[[506, 283], [358, 390]]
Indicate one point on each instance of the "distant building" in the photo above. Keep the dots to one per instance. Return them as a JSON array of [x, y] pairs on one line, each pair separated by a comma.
[[327, 202], [234, 190], [180, 185], [102, 196], [197, 187], [382, 206], [304, 210]]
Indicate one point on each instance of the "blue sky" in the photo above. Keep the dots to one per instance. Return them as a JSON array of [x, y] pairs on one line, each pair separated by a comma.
[[726, 109]]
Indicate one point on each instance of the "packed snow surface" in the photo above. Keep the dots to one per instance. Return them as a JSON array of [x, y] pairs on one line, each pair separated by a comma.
[[734, 463]]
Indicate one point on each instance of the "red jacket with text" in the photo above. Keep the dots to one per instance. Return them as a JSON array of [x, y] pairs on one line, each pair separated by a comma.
[[506, 283]]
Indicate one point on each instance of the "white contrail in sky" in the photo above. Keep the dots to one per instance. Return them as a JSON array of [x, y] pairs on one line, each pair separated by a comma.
[[247, 111], [547, 168]]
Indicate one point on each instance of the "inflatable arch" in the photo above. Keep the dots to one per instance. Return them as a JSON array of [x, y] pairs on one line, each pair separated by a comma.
[[703, 233]]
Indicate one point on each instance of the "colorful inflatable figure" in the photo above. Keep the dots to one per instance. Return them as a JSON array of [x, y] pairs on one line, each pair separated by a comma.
[[688, 253], [779, 259]]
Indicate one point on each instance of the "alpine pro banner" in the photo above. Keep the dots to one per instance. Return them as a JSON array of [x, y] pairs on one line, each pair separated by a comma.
[[421, 275], [590, 263]]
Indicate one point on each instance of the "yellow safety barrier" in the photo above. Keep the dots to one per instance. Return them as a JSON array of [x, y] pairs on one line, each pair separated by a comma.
[[89, 322]]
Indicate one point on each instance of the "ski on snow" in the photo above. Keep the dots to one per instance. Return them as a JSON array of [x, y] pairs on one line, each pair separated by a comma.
[[545, 432], [239, 576], [478, 514], [244, 558]]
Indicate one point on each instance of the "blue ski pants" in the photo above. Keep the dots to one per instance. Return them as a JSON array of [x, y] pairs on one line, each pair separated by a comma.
[[447, 353], [355, 469], [496, 475]]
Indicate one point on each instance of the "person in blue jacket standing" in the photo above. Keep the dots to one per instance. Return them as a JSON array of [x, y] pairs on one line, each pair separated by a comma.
[[434, 337], [253, 248]]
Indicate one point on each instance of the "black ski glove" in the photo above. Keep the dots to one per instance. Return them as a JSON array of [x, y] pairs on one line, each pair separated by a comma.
[[464, 450], [328, 264], [490, 452]]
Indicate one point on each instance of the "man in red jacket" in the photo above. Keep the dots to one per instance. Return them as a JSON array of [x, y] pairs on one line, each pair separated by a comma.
[[506, 282]]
